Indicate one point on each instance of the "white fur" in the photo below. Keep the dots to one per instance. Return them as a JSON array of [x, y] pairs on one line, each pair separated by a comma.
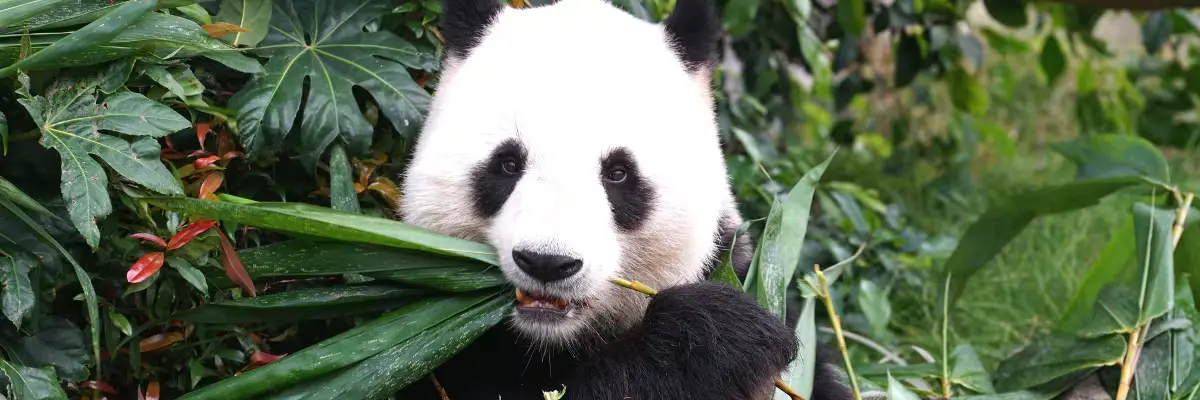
[[572, 81]]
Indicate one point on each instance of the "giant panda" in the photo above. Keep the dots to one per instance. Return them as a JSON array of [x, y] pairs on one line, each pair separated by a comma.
[[581, 143]]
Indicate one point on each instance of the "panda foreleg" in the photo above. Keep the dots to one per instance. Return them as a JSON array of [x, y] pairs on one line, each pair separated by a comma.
[[698, 341]]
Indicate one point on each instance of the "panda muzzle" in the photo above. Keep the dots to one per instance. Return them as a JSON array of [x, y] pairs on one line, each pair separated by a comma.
[[532, 301]]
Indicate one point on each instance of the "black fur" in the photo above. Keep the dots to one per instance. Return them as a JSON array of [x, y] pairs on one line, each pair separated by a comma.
[[490, 184], [632, 199], [693, 28], [464, 23]]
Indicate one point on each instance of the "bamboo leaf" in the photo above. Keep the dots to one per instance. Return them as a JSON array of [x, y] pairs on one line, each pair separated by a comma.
[[302, 304], [98, 32], [341, 181]]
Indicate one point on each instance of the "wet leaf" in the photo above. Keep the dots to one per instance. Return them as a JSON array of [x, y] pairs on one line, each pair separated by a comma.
[[145, 266], [17, 297], [304, 304], [252, 15], [95, 33], [339, 54], [13, 12], [71, 122]]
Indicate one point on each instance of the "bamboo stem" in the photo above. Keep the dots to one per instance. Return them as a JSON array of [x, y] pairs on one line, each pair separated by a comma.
[[638, 286], [837, 329]]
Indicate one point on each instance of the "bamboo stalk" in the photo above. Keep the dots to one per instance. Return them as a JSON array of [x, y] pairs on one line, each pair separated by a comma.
[[836, 321]]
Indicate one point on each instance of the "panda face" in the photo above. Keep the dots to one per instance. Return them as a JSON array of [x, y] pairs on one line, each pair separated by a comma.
[[577, 141]]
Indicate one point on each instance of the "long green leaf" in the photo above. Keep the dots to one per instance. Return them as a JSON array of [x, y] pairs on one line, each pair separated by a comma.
[[1001, 224], [79, 12], [323, 222], [98, 32], [387, 372], [799, 374], [331, 45], [345, 349], [85, 281], [1187, 252], [782, 241], [725, 273], [14, 194], [13, 12], [303, 304]]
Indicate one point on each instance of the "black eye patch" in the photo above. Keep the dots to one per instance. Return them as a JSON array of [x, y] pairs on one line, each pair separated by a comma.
[[494, 179], [629, 193]]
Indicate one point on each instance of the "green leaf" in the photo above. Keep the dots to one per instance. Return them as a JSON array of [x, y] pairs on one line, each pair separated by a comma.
[[79, 12], [910, 57], [1187, 252], [15, 195], [873, 302], [4, 134], [303, 304], [115, 75], [323, 222], [1101, 156], [71, 121], [32, 383], [969, 371], [782, 240], [254, 15], [153, 35], [1118, 257], [1053, 59], [897, 391], [851, 16], [800, 372], [17, 296], [13, 12], [1153, 375], [341, 181], [1007, 12], [120, 322], [343, 350], [967, 93], [1001, 223], [196, 12], [1053, 356], [58, 343], [725, 272], [342, 54], [995, 135], [235, 60], [1156, 30], [189, 273], [179, 80], [85, 281], [96, 33], [419, 268], [394, 368]]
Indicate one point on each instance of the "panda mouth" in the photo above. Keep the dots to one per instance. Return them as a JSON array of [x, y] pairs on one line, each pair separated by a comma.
[[529, 302]]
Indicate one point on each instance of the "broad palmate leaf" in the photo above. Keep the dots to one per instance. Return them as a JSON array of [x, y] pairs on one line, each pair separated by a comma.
[[71, 121], [333, 46]]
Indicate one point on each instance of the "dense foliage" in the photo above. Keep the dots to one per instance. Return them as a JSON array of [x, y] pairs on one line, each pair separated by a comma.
[[196, 196]]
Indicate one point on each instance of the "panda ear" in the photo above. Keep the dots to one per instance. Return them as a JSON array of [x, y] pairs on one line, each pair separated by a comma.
[[464, 23], [693, 28]]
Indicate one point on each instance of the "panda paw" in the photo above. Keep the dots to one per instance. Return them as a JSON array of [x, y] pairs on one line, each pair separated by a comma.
[[710, 324]]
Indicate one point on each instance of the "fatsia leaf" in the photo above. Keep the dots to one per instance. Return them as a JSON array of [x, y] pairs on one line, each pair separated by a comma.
[[17, 295], [252, 15], [329, 44], [96, 33], [27, 383], [56, 342], [71, 122]]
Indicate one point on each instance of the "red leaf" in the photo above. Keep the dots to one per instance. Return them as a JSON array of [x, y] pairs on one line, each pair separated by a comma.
[[186, 235], [159, 341], [202, 163], [145, 267], [198, 153], [210, 185], [233, 267], [260, 358], [202, 132], [150, 237], [97, 385], [232, 155], [152, 391], [170, 144]]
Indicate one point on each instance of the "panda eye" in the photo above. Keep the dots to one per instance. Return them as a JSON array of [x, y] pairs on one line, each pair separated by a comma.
[[616, 175], [509, 166]]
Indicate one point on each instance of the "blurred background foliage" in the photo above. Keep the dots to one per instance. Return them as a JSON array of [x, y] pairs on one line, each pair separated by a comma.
[[940, 110]]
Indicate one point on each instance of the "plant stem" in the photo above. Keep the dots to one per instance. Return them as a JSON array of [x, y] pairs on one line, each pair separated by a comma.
[[1136, 338], [638, 286], [946, 338], [837, 329]]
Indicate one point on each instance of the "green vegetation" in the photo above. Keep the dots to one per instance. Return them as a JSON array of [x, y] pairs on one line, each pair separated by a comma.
[[998, 194]]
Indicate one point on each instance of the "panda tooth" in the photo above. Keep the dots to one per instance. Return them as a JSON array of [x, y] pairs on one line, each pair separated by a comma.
[[523, 298]]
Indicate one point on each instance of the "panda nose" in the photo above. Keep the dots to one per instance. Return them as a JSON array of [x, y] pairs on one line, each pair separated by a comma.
[[546, 267]]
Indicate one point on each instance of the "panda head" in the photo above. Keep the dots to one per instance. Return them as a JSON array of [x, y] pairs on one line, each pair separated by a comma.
[[582, 144]]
